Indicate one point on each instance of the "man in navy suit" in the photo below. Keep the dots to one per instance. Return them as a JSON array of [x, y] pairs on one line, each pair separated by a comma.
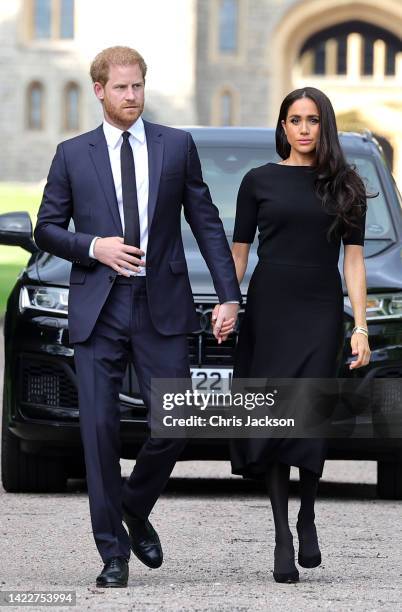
[[124, 184]]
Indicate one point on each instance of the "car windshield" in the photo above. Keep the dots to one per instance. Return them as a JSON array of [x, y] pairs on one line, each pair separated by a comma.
[[224, 167]]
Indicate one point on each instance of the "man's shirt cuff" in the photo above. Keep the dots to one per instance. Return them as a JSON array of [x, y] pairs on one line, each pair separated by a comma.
[[91, 247]]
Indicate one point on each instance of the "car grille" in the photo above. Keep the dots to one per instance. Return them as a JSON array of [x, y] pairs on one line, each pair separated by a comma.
[[204, 350], [47, 383], [52, 383]]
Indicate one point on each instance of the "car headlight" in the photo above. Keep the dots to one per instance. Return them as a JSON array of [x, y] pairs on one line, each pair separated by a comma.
[[380, 306], [46, 299]]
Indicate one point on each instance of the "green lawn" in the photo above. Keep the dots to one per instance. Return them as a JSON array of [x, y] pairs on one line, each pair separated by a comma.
[[8, 276], [12, 259]]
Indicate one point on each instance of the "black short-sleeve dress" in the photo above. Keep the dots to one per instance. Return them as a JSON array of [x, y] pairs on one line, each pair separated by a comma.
[[293, 320]]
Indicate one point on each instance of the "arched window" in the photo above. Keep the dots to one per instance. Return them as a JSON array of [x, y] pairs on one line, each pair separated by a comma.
[[71, 107], [35, 106], [340, 32], [228, 25]]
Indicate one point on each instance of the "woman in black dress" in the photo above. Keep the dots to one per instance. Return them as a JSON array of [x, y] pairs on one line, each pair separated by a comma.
[[293, 321]]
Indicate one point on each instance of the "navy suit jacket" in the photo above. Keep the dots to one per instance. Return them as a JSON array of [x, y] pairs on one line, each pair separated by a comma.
[[80, 185]]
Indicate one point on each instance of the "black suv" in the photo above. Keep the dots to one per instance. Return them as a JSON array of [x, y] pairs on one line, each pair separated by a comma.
[[41, 444]]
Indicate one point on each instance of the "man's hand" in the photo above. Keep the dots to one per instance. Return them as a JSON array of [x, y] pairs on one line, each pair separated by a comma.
[[117, 255], [223, 320]]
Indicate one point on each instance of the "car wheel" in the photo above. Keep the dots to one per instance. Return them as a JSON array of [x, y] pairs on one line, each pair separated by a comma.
[[389, 479], [26, 473]]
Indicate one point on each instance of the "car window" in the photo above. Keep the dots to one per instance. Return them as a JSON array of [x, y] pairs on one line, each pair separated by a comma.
[[224, 167], [378, 220]]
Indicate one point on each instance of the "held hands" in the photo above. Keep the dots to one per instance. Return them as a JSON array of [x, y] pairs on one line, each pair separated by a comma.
[[360, 346], [117, 255], [223, 320]]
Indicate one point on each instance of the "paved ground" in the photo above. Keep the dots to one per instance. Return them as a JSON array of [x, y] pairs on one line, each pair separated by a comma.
[[217, 535]]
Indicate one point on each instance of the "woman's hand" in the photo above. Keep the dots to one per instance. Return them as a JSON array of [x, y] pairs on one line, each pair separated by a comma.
[[360, 347], [227, 326]]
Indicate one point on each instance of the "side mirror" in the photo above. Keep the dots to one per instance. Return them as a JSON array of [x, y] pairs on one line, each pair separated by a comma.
[[16, 230]]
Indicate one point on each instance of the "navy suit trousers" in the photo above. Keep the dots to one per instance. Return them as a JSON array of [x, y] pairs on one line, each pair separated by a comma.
[[123, 331]]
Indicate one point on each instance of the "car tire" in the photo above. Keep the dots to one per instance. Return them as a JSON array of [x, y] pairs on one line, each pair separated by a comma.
[[389, 479], [27, 473]]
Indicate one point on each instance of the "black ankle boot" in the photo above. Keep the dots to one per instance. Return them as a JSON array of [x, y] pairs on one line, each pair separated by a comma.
[[285, 569], [309, 550]]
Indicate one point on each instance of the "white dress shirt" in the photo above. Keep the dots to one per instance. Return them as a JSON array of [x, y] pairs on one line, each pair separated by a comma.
[[138, 144]]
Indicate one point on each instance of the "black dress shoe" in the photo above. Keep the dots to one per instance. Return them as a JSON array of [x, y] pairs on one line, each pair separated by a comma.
[[144, 540], [114, 573]]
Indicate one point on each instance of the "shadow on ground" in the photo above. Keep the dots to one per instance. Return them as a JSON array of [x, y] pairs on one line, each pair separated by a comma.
[[219, 487]]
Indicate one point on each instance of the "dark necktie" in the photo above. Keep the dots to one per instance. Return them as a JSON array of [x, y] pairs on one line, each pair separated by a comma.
[[129, 192]]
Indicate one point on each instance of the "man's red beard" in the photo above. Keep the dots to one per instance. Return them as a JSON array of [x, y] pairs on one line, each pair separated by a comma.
[[118, 115]]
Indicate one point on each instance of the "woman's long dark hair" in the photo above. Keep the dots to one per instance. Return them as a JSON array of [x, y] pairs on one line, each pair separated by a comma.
[[337, 184]]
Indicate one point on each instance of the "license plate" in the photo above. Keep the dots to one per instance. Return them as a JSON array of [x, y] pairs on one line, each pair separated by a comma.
[[212, 379]]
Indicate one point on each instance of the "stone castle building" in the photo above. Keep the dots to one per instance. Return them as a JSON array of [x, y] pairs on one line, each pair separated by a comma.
[[211, 62]]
